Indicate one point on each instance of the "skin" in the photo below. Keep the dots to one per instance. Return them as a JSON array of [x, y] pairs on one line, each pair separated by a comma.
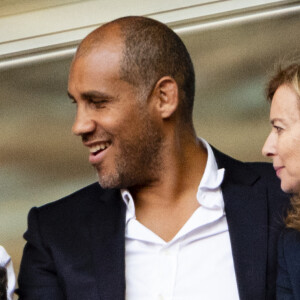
[[149, 151], [108, 110], [283, 142]]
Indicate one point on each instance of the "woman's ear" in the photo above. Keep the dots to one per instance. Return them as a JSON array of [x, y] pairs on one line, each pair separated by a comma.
[[165, 93]]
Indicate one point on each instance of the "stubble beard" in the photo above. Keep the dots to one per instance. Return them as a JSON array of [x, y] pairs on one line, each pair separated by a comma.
[[139, 161]]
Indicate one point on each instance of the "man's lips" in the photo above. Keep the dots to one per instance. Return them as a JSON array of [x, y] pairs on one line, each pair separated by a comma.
[[97, 150]]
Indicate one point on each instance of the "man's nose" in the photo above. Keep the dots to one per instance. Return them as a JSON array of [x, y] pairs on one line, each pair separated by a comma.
[[84, 122], [269, 148]]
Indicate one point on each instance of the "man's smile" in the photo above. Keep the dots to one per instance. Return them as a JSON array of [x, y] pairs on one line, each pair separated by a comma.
[[97, 150]]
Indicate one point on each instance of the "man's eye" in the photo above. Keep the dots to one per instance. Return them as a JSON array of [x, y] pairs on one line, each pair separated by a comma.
[[97, 103], [278, 129]]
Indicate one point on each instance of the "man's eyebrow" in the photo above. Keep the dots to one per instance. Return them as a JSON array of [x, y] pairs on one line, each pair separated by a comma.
[[276, 120], [91, 94], [95, 94]]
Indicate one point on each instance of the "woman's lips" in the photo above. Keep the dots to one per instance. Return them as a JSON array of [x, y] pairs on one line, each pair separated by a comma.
[[278, 170]]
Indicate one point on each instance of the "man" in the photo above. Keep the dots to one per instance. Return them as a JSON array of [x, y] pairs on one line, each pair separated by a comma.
[[172, 218]]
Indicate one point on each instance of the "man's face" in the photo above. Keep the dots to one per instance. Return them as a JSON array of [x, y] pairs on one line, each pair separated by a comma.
[[121, 132]]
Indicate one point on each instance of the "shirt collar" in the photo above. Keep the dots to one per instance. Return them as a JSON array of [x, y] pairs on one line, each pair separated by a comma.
[[212, 177], [209, 184], [130, 208], [211, 181]]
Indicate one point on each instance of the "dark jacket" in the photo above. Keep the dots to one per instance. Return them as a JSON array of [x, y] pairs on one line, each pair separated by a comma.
[[3, 283], [288, 280], [76, 246]]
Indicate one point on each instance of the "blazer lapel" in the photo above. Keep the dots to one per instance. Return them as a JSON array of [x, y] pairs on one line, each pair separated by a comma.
[[107, 244], [246, 212]]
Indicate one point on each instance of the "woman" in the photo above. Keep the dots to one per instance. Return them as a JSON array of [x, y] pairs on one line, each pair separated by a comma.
[[283, 146], [7, 276]]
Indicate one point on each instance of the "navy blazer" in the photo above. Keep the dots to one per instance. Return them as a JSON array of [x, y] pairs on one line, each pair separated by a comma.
[[76, 247], [288, 280]]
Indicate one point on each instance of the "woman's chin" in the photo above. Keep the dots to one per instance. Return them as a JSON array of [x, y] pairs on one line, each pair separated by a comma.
[[290, 189]]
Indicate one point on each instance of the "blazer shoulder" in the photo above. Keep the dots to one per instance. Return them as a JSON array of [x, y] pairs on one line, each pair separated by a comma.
[[82, 201], [245, 172], [69, 216], [289, 245], [266, 173], [264, 168], [290, 239], [288, 278]]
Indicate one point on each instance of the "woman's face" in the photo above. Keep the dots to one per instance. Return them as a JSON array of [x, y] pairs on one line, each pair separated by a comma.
[[283, 142]]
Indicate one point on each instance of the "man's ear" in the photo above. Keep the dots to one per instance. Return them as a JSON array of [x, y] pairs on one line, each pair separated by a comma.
[[165, 93]]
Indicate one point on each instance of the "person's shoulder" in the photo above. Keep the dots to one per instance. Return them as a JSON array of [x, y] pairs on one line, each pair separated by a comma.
[[264, 168], [266, 173], [252, 169], [289, 250], [253, 173], [67, 215], [291, 238], [81, 201]]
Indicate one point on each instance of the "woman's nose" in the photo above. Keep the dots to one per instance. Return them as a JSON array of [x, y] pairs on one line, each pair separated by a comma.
[[269, 148]]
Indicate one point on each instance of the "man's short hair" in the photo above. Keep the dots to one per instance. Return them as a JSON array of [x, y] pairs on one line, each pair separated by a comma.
[[152, 50]]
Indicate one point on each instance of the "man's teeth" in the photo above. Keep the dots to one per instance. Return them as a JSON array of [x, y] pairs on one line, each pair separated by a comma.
[[99, 147]]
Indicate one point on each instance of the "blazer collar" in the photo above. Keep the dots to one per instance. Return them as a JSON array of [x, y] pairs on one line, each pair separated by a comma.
[[246, 211], [107, 243], [235, 171]]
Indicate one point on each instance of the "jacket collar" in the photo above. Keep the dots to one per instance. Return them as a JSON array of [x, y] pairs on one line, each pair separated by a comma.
[[246, 211], [107, 243]]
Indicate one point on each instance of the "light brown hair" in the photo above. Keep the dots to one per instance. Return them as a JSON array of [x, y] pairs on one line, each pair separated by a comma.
[[289, 75]]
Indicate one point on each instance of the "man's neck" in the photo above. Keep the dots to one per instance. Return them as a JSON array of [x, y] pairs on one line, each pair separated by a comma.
[[165, 205]]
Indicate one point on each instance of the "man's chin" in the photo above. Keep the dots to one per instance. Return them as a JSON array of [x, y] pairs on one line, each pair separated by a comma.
[[110, 181]]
